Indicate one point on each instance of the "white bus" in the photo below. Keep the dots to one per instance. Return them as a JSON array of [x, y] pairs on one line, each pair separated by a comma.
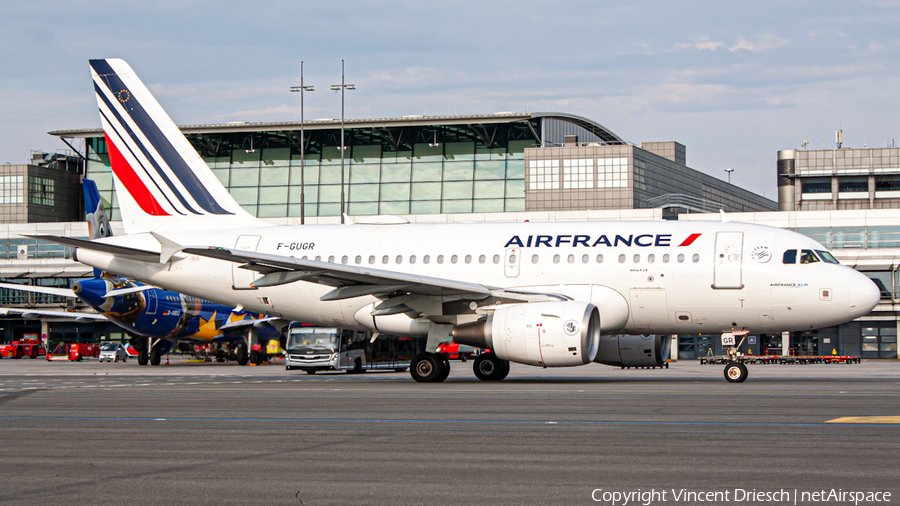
[[312, 349]]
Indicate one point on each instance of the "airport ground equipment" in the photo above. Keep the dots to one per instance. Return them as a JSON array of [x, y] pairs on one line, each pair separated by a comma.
[[312, 349], [776, 359], [79, 351], [25, 347]]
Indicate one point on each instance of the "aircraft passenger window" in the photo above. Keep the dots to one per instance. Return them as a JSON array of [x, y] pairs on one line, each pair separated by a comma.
[[827, 257], [666, 258], [358, 259], [585, 259], [695, 258], [621, 259], [636, 259], [482, 259], [651, 258], [453, 259], [468, 259], [512, 259], [385, 259], [345, 259], [599, 259], [440, 259], [790, 257], [399, 259], [426, 259], [318, 258], [412, 259], [681, 259], [571, 259], [371, 259], [556, 259], [808, 257], [534, 259], [331, 259], [496, 259]]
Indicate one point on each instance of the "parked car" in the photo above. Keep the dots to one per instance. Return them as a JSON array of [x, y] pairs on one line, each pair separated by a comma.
[[113, 352]]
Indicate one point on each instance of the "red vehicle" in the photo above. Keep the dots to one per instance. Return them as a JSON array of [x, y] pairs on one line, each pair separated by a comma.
[[77, 351], [456, 351], [26, 347]]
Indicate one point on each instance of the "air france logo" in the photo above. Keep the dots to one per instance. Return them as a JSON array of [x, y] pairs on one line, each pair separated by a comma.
[[641, 240], [571, 327]]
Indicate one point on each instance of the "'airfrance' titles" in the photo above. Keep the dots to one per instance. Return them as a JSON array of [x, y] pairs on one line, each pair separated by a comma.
[[642, 240]]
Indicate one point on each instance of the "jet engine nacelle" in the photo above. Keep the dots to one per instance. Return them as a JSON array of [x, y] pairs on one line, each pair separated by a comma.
[[634, 351], [547, 334]]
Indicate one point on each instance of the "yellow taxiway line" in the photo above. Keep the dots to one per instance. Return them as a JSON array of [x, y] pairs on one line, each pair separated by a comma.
[[866, 419]]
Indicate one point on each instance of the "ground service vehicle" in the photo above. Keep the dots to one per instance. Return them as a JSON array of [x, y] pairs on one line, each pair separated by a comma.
[[456, 351], [29, 346], [312, 348]]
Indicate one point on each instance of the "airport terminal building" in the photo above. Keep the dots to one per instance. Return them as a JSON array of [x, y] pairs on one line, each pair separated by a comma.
[[493, 167]]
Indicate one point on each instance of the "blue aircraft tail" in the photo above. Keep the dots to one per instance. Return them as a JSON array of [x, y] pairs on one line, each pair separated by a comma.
[[95, 214]]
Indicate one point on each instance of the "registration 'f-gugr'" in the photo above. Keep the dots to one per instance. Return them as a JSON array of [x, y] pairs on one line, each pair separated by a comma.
[[544, 294]]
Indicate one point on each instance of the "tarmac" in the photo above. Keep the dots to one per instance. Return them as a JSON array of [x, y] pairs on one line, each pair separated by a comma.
[[90, 433]]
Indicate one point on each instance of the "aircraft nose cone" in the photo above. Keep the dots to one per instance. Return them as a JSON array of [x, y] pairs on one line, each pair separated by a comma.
[[864, 295]]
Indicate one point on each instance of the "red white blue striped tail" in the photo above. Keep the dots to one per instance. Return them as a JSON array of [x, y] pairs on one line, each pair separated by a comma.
[[161, 181]]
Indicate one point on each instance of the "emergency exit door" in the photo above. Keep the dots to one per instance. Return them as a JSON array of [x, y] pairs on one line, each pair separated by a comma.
[[728, 259], [242, 278]]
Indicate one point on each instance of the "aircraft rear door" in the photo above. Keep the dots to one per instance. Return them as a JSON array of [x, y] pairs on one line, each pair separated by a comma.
[[241, 278], [511, 265], [152, 302], [727, 262]]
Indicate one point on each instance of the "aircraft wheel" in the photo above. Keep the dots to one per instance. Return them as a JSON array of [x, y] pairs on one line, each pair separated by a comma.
[[735, 372], [427, 368], [143, 357], [154, 357], [488, 367], [445, 363], [242, 356], [504, 372]]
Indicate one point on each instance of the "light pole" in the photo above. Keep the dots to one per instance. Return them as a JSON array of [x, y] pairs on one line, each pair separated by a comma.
[[342, 87], [729, 171], [301, 89]]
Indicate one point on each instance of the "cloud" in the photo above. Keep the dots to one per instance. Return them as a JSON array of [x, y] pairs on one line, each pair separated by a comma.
[[762, 43]]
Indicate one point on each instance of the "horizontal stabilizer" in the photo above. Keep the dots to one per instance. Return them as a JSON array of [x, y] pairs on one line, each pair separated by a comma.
[[37, 313], [249, 322], [123, 251], [118, 292]]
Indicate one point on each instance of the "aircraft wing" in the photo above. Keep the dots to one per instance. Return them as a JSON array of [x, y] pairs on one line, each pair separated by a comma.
[[248, 322], [62, 292], [353, 281], [35, 313]]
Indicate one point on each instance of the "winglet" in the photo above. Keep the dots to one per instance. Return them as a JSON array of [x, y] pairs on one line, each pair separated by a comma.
[[723, 216], [169, 247]]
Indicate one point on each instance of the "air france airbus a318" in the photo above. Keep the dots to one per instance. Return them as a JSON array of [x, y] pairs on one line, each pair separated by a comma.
[[543, 294]]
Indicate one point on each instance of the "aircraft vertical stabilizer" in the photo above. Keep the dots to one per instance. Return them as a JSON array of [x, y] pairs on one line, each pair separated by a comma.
[[161, 181]]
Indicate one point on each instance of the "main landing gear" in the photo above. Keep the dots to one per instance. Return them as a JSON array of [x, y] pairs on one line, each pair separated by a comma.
[[490, 368], [435, 367], [429, 367]]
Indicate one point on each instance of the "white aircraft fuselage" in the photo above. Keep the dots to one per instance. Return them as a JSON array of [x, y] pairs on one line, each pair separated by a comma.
[[645, 277]]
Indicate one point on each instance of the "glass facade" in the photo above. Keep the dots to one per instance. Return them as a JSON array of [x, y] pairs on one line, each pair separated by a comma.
[[450, 171]]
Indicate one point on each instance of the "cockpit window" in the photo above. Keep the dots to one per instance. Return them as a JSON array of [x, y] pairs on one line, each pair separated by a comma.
[[827, 257], [807, 257], [790, 256]]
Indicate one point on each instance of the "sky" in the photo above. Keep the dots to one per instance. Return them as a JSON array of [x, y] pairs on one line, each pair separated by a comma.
[[733, 81]]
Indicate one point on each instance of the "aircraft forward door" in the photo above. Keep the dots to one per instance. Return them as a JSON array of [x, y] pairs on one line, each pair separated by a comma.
[[511, 265], [241, 278], [727, 261]]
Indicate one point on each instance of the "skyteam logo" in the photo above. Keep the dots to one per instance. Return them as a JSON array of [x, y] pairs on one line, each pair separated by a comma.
[[557, 241]]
